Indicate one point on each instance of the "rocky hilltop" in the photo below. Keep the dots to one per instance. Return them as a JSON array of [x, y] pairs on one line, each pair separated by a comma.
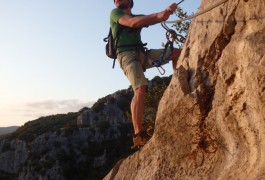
[[211, 119]]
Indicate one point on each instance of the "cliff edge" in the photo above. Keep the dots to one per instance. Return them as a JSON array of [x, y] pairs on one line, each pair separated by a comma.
[[211, 119]]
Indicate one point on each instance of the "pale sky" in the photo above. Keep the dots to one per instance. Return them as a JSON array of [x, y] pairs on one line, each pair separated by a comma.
[[52, 55]]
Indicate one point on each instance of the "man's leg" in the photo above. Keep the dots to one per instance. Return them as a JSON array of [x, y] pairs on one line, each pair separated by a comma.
[[140, 137], [132, 67], [137, 109]]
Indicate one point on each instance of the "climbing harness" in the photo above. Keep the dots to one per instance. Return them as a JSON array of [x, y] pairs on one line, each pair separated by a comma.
[[177, 37]]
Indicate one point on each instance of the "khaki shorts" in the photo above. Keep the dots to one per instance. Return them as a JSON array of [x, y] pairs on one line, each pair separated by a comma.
[[134, 63]]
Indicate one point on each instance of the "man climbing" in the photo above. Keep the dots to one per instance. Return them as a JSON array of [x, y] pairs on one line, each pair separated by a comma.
[[134, 58]]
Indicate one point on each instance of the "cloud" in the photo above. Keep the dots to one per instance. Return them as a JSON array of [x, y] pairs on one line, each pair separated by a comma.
[[18, 114], [48, 107], [67, 105]]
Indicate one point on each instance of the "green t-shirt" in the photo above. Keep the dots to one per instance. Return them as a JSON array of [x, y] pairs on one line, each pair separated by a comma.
[[128, 36]]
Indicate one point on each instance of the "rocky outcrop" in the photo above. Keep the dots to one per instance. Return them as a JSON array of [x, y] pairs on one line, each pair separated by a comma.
[[211, 119], [110, 113], [57, 152], [12, 155]]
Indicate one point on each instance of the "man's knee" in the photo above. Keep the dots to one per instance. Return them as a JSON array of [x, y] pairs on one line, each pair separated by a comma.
[[175, 55], [140, 90]]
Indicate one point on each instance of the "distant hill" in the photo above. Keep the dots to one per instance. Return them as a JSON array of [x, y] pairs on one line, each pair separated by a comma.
[[6, 130]]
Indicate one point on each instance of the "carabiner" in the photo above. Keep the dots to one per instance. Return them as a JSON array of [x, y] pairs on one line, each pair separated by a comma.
[[161, 70]]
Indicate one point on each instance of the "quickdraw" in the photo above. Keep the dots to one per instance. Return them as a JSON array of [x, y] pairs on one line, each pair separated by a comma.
[[171, 37], [174, 35], [170, 43]]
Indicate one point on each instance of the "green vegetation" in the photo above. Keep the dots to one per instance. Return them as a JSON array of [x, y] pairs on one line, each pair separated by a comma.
[[182, 27], [124, 101], [152, 99], [82, 110], [151, 104], [30, 130], [99, 105]]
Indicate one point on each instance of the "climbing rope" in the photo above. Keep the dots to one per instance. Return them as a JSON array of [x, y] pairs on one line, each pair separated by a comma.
[[180, 2], [199, 13]]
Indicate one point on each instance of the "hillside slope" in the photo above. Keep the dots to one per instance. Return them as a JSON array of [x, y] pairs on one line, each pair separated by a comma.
[[211, 119]]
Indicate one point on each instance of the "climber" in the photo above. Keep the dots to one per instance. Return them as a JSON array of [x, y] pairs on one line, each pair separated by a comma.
[[134, 58]]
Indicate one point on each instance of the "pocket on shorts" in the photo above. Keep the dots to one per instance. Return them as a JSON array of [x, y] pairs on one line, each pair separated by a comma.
[[127, 58], [135, 75], [134, 69]]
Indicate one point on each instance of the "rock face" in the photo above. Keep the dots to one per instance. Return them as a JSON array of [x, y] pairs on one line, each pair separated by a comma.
[[110, 113], [211, 119], [12, 155]]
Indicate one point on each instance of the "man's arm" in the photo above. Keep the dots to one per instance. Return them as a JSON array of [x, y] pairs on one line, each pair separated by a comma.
[[142, 21]]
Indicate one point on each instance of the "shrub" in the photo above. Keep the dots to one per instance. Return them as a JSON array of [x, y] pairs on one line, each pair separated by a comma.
[[34, 128]]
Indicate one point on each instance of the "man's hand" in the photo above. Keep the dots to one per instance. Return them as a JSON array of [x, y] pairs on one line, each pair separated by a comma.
[[143, 21], [164, 15], [172, 8]]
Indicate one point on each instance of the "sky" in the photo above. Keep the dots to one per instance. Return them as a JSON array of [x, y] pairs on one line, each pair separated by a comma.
[[52, 55]]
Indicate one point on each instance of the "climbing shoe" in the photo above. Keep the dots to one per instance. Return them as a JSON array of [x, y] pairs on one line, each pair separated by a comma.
[[140, 139]]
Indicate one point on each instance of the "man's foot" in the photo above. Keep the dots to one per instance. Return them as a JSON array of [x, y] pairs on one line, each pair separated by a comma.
[[140, 139]]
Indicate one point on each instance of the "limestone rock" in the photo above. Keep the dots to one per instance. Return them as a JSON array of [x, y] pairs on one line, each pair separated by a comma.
[[211, 119], [12, 155], [110, 112]]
